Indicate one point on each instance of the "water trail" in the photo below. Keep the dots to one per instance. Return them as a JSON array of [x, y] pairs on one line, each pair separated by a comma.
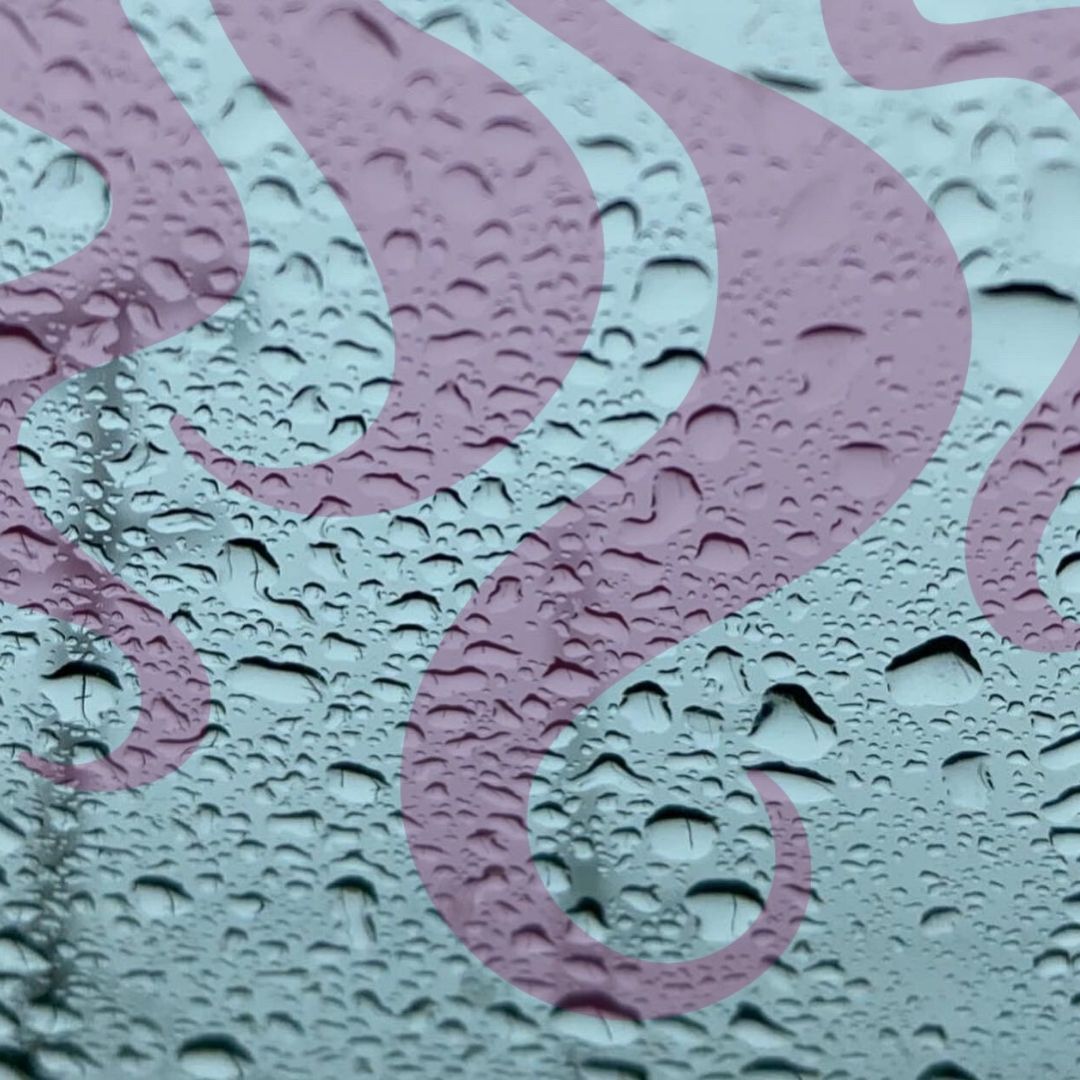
[[838, 356], [172, 252]]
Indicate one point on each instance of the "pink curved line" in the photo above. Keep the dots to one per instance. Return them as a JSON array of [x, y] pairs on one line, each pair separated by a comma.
[[81, 75], [891, 45], [838, 357], [479, 220]]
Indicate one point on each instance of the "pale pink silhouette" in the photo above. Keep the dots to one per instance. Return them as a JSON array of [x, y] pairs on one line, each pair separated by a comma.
[[838, 356], [173, 250], [888, 44], [479, 220]]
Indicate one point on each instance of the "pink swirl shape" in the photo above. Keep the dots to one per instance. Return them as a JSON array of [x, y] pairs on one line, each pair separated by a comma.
[[890, 45], [480, 223], [172, 252], [836, 363]]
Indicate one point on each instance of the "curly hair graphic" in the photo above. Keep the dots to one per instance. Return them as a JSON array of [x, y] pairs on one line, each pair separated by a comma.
[[171, 253], [480, 223], [838, 356], [889, 45]]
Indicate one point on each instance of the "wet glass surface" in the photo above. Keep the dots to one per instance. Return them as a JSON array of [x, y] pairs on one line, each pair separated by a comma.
[[539, 539]]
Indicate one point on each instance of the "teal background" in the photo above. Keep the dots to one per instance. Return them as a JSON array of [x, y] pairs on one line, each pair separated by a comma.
[[258, 914]]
